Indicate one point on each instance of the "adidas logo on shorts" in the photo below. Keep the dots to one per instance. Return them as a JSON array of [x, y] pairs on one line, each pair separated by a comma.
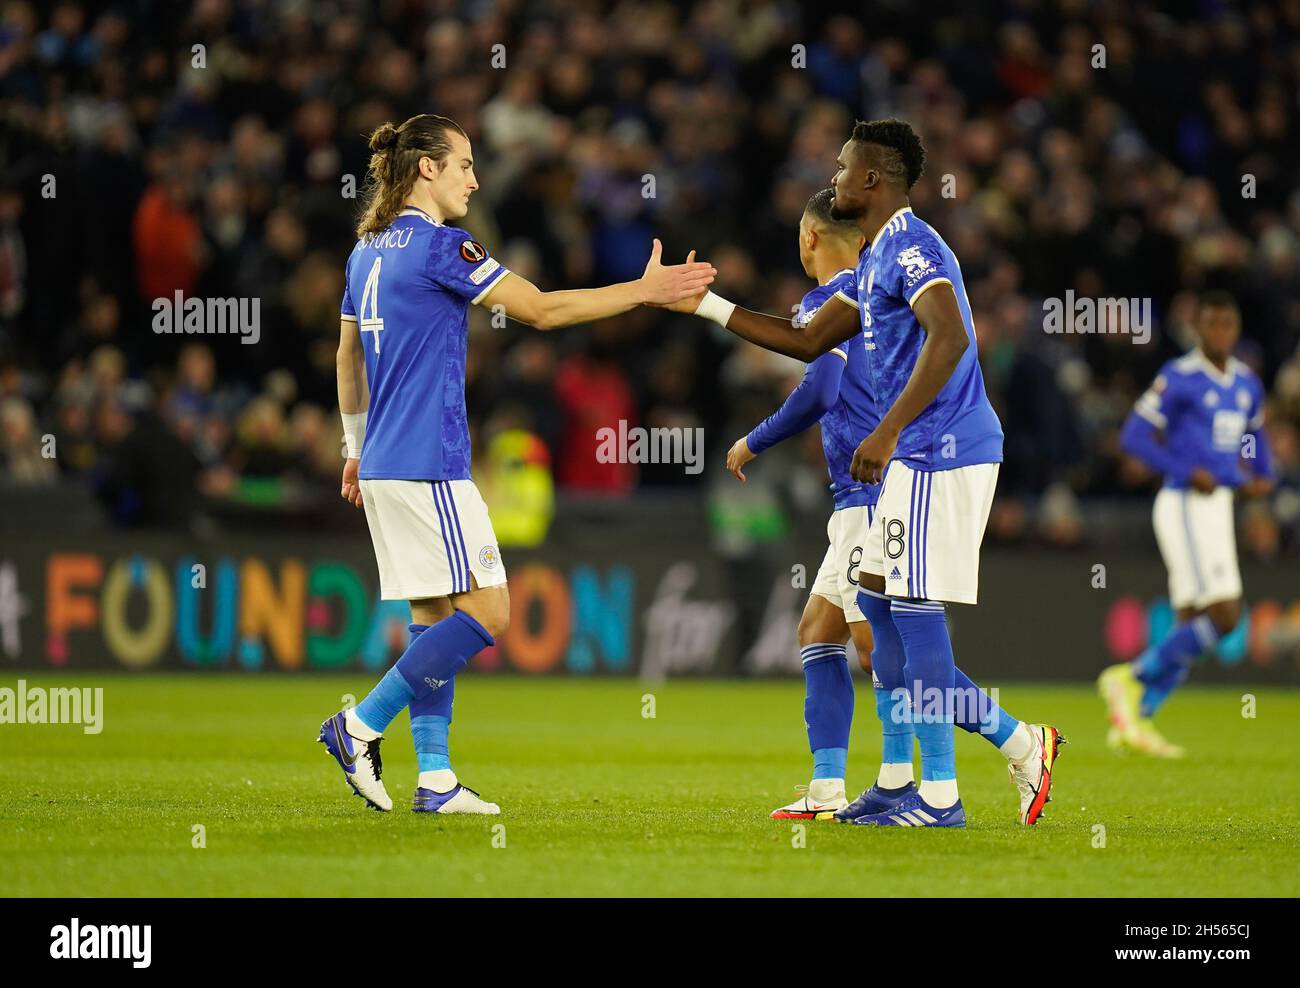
[[435, 683], [894, 574]]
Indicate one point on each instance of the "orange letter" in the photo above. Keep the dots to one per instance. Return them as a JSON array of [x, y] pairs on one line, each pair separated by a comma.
[[277, 615], [540, 650], [65, 612]]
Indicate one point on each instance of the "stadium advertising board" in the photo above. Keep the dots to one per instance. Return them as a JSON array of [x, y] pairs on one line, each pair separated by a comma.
[[292, 605]]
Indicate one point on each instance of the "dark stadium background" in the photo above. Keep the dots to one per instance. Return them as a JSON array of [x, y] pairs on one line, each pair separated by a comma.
[[229, 180]]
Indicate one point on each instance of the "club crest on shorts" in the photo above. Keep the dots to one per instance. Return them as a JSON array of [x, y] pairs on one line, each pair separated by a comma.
[[487, 557], [473, 251]]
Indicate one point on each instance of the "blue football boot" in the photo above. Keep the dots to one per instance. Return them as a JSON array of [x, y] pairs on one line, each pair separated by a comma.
[[874, 800], [915, 812]]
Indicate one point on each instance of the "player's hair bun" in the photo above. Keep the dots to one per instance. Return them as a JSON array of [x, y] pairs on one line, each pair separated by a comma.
[[384, 138], [393, 169]]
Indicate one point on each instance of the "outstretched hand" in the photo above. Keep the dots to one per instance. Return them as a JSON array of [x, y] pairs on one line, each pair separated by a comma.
[[674, 285]]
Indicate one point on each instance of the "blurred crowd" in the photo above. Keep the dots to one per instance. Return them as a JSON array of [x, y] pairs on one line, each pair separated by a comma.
[[216, 148]]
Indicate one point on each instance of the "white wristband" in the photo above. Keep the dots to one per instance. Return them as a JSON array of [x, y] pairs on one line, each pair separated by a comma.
[[354, 433], [715, 307]]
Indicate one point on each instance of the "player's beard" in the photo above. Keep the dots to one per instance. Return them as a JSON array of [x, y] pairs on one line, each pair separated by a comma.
[[839, 213]]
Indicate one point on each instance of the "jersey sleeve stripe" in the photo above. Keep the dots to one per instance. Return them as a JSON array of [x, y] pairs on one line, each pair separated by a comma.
[[346, 317], [1150, 414], [926, 287], [844, 298], [489, 286], [840, 353]]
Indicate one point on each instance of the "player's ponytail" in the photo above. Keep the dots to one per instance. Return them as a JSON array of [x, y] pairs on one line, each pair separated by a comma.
[[395, 164]]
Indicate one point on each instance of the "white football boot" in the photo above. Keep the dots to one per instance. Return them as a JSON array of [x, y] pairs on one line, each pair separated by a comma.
[[821, 796], [1033, 776], [457, 799], [359, 760]]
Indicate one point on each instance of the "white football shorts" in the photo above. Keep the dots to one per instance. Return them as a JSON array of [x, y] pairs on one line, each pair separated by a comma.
[[837, 579], [926, 531], [430, 537], [1198, 541]]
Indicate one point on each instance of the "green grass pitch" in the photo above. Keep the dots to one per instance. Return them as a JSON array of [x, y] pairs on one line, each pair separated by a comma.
[[599, 800]]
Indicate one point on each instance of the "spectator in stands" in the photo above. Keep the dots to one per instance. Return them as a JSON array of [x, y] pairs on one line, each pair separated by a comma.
[[1171, 169]]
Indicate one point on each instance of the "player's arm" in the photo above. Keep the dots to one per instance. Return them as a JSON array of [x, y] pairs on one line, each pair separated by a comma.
[[1257, 456], [354, 399], [1141, 438], [831, 326], [945, 341], [1144, 432], [659, 285], [807, 403]]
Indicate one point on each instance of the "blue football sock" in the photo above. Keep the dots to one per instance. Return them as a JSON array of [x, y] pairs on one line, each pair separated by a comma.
[[1162, 667], [389, 697], [887, 656], [887, 661], [830, 763], [429, 663], [827, 707], [929, 673], [431, 721], [895, 713], [429, 732], [978, 714]]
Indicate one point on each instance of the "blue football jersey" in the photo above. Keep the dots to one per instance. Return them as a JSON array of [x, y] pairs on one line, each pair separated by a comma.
[[959, 427], [854, 415], [409, 289], [1204, 413]]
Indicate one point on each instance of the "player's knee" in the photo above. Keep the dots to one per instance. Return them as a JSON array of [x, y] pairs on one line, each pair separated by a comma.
[[1225, 615], [490, 608], [821, 624], [498, 618], [808, 627], [495, 623]]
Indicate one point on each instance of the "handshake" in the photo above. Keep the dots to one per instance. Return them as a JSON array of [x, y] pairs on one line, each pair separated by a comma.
[[678, 287]]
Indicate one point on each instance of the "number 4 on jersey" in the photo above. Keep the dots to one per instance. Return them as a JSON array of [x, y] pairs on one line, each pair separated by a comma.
[[370, 321]]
